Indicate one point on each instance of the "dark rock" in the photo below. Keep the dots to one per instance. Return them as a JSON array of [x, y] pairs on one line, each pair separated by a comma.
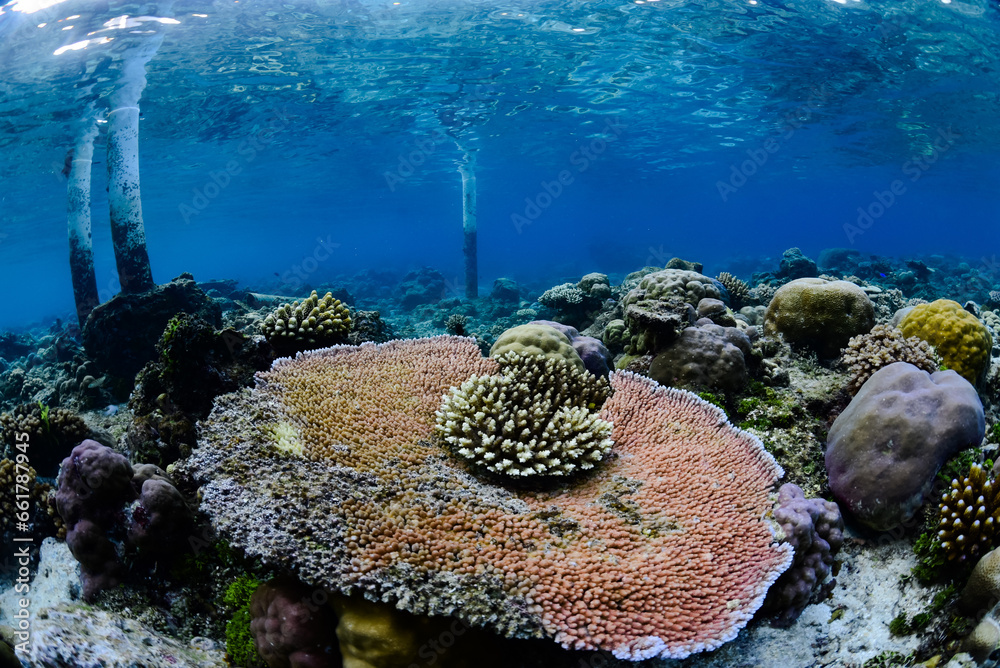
[[121, 334]]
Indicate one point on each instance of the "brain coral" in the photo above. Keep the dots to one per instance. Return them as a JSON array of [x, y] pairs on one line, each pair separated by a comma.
[[821, 314], [663, 551], [962, 341], [534, 418]]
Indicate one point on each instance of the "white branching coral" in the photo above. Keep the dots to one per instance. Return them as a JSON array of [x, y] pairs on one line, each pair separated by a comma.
[[537, 417]]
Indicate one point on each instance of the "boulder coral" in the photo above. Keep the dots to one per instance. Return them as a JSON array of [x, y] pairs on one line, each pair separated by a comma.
[[885, 448], [707, 357], [962, 341], [663, 551], [819, 314]]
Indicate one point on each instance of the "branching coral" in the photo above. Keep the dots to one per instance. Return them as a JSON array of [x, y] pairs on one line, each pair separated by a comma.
[[867, 353], [664, 551], [970, 516], [738, 290], [311, 323], [535, 418]]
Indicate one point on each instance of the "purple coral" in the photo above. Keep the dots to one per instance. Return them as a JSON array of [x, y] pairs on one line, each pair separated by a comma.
[[815, 530], [95, 486], [595, 355], [94, 482], [290, 629]]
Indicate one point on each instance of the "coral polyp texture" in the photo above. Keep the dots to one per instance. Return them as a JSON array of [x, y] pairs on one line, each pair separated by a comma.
[[662, 551], [883, 345], [962, 341], [536, 418], [312, 323], [970, 516]]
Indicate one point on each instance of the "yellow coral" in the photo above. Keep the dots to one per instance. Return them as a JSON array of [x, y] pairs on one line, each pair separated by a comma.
[[962, 341]]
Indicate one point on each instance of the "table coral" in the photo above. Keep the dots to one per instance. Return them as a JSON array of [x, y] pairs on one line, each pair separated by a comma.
[[664, 550]]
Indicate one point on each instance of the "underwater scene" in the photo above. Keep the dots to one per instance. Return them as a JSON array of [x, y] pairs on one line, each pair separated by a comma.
[[540, 334]]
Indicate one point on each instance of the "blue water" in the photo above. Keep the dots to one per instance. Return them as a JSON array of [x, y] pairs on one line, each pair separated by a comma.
[[718, 131]]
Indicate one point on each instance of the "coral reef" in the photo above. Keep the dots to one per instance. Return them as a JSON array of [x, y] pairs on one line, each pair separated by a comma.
[[706, 357], [52, 433], [314, 322], [664, 551], [815, 530], [85, 636], [883, 345], [970, 516], [535, 418], [576, 303], [819, 314], [884, 450], [423, 286], [962, 341], [505, 290], [290, 629]]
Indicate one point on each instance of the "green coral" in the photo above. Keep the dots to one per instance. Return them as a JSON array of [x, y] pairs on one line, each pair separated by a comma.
[[240, 644], [535, 418]]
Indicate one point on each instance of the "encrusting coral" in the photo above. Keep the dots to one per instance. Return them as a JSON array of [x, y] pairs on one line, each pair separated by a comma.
[[970, 516], [312, 323], [663, 551], [536, 418], [867, 353]]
